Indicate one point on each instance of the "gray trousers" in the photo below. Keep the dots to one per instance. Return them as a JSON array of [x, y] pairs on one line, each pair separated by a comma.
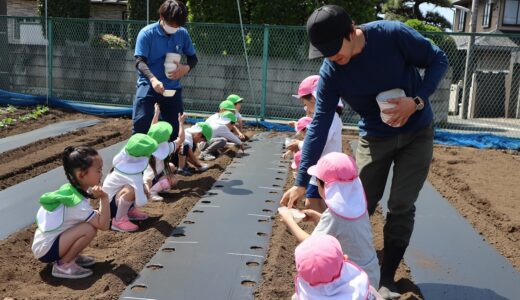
[[214, 145], [411, 153]]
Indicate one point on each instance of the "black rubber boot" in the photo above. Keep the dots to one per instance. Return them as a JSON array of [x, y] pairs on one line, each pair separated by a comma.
[[392, 256]]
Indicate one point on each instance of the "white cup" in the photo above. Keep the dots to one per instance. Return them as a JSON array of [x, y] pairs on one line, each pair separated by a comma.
[[296, 213], [382, 100], [288, 141], [170, 62]]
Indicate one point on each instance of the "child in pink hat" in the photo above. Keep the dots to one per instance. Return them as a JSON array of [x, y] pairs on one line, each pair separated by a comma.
[[324, 272], [308, 95], [346, 216]]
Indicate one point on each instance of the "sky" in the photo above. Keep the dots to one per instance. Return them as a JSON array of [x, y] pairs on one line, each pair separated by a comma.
[[446, 12]]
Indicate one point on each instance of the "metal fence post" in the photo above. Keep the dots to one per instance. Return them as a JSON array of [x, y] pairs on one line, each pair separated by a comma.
[[4, 54], [49, 58], [265, 59]]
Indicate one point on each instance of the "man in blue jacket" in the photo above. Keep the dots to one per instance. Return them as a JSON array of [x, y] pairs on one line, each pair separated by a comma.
[[360, 63]]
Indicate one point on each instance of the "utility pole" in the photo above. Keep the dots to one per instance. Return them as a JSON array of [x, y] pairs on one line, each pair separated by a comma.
[[4, 80], [469, 63]]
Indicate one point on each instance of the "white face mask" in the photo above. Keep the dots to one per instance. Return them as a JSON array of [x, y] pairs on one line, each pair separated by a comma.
[[169, 29]]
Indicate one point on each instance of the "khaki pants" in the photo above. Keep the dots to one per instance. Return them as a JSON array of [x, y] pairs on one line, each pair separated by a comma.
[[411, 154]]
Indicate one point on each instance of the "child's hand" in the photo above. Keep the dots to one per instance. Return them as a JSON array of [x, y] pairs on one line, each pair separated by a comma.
[[98, 193], [292, 123], [241, 137], [311, 215], [182, 118], [287, 154], [157, 109], [293, 146]]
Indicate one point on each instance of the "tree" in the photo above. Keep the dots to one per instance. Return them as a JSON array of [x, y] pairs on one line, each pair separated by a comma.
[[403, 10]]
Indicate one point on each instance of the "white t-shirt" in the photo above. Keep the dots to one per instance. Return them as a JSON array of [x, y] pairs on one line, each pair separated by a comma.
[[72, 216], [115, 181], [188, 140], [238, 115], [212, 118], [159, 165], [222, 131], [334, 143], [355, 237]]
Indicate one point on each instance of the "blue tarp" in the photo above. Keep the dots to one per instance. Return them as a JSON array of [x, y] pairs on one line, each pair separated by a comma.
[[476, 140]]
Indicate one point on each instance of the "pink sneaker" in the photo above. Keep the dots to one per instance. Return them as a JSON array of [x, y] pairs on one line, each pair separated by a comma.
[[123, 225], [136, 215], [70, 270]]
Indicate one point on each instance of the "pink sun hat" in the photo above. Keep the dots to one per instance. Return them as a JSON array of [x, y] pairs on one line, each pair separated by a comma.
[[308, 86], [344, 193], [302, 123], [296, 160], [323, 272]]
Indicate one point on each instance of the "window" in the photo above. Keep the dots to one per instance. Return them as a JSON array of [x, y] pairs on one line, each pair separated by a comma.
[[462, 20], [486, 19], [511, 15]]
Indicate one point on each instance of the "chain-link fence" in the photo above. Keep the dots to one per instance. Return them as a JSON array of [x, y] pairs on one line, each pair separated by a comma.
[[92, 61]]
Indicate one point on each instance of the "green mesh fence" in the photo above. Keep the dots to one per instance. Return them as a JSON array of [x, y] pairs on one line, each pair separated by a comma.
[[92, 61]]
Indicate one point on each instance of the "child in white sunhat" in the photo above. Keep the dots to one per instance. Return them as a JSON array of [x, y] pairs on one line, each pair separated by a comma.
[[324, 272], [160, 173], [346, 216], [200, 132], [221, 136], [66, 221], [237, 101], [124, 184], [307, 94]]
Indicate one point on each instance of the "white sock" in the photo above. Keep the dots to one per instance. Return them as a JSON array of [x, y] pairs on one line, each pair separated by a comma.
[[122, 208]]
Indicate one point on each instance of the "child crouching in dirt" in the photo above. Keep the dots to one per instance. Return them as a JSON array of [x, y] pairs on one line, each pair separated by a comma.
[[66, 221], [160, 173], [124, 184], [200, 132], [346, 216], [324, 272]]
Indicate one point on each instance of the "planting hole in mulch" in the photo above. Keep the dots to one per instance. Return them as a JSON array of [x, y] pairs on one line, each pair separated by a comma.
[[155, 267], [188, 222], [248, 283], [269, 201], [252, 264], [261, 233], [168, 249], [256, 248], [139, 288], [178, 235], [206, 201], [267, 210], [198, 211]]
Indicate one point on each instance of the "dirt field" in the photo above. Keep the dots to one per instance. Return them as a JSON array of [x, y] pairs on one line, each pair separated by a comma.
[[481, 184]]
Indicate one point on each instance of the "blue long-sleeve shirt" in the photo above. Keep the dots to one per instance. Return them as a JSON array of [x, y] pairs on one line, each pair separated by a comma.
[[390, 59]]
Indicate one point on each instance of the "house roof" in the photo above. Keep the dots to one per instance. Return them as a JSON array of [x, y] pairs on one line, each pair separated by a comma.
[[459, 2], [485, 42]]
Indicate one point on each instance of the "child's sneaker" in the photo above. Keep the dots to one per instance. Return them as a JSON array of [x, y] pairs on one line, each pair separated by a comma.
[[123, 225], [85, 261], [207, 157], [70, 270], [136, 215], [184, 171], [203, 167], [154, 196]]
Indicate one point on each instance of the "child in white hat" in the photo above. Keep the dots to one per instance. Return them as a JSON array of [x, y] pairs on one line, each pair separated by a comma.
[[200, 132], [66, 221], [124, 184], [324, 272], [160, 173], [346, 216], [222, 134]]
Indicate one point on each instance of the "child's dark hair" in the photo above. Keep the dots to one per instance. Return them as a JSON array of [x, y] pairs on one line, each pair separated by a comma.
[[74, 158], [174, 11], [322, 183]]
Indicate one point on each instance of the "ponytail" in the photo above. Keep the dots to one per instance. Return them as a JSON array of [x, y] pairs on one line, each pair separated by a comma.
[[81, 158]]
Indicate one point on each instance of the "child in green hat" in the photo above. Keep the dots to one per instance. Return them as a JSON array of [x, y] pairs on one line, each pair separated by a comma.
[[237, 102], [160, 173], [66, 221], [224, 106], [200, 132], [124, 184], [221, 136]]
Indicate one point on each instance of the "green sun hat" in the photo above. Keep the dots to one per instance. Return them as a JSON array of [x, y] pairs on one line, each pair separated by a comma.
[[66, 195], [234, 98], [227, 117], [160, 131], [141, 145], [227, 105]]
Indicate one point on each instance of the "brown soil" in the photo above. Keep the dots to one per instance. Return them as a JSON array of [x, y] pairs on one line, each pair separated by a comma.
[[120, 256], [484, 187], [52, 116]]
